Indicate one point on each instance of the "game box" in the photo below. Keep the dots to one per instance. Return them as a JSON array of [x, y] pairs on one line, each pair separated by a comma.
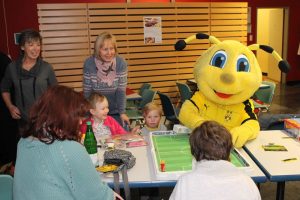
[[171, 155], [292, 126]]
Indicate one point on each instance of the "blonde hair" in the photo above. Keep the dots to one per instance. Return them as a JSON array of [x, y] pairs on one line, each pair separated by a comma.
[[150, 107], [94, 98], [99, 42]]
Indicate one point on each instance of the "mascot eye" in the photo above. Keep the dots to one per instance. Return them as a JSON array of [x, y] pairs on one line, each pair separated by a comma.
[[242, 64], [219, 59]]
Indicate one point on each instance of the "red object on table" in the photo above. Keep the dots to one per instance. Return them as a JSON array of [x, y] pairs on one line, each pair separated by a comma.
[[162, 166], [129, 91]]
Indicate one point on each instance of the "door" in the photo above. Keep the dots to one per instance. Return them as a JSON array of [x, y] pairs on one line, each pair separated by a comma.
[[270, 31]]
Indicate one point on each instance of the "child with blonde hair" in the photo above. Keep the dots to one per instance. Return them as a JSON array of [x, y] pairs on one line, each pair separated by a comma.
[[152, 115], [102, 123]]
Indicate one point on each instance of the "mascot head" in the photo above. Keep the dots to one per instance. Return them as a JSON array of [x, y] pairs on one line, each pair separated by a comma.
[[228, 72]]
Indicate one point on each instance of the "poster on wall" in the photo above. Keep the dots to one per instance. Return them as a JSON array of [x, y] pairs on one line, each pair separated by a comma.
[[152, 30]]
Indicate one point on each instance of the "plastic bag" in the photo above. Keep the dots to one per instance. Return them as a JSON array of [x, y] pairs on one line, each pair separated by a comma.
[[119, 157]]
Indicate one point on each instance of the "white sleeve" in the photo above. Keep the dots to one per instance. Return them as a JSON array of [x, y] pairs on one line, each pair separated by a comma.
[[177, 191]]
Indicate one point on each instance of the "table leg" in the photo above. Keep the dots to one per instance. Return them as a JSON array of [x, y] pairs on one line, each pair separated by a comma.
[[280, 190]]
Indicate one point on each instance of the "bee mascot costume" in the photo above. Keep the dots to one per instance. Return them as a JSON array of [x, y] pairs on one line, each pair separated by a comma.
[[227, 75]]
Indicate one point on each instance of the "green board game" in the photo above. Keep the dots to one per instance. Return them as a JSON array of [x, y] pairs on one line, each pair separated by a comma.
[[174, 150]]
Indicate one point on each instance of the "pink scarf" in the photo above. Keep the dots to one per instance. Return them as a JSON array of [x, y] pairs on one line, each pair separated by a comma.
[[106, 71]]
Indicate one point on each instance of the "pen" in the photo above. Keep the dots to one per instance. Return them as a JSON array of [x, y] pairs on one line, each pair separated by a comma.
[[289, 159], [287, 137]]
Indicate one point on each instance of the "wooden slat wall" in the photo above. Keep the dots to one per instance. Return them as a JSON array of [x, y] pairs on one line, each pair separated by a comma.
[[66, 42], [229, 21], [69, 32]]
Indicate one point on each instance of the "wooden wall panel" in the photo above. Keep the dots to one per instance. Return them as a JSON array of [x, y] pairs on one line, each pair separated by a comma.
[[65, 32], [229, 21], [69, 32]]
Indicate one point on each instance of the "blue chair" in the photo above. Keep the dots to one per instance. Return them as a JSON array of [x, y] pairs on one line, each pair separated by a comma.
[[143, 87], [169, 110], [6, 187], [148, 96], [130, 103], [264, 95], [135, 113], [185, 91]]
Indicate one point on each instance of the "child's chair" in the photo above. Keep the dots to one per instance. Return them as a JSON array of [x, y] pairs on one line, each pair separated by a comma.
[[263, 96], [6, 187], [169, 111], [130, 103], [185, 91], [135, 113]]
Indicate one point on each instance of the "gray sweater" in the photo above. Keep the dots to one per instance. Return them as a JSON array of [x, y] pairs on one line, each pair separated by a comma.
[[27, 85]]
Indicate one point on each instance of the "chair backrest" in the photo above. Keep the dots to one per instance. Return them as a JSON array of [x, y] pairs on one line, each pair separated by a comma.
[[143, 87], [148, 96], [168, 108], [6, 187], [184, 90], [266, 94]]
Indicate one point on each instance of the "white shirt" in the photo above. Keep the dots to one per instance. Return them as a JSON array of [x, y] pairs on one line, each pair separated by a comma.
[[215, 180], [101, 132]]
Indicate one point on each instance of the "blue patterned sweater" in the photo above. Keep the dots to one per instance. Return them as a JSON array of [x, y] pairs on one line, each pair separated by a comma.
[[116, 93]]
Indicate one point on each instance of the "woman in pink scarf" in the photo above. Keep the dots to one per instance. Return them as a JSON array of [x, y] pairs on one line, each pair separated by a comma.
[[105, 72]]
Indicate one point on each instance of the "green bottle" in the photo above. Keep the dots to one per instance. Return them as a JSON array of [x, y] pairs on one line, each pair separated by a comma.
[[90, 143]]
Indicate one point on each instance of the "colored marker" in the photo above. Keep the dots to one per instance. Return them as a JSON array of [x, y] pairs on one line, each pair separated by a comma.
[[289, 159], [287, 137]]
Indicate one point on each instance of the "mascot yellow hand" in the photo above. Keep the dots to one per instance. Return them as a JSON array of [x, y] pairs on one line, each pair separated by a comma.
[[227, 75], [251, 128]]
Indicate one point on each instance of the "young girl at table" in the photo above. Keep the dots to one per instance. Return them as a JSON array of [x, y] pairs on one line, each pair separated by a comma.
[[102, 123], [214, 176], [152, 115]]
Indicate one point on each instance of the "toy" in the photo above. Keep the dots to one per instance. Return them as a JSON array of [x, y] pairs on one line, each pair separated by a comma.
[[227, 75], [171, 156]]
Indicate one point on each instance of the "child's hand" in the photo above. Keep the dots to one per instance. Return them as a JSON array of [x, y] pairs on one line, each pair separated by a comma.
[[136, 130], [125, 118]]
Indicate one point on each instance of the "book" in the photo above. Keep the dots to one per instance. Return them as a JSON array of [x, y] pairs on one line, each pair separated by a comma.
[[130, 140]]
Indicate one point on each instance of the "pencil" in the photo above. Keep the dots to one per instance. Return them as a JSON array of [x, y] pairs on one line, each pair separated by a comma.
[[289, 159]]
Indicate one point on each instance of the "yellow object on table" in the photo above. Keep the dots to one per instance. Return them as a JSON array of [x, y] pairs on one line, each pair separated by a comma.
[[107, 168]]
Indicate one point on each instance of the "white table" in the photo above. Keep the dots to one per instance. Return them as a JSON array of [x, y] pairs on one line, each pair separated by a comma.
[[142, 174], [271, 162]]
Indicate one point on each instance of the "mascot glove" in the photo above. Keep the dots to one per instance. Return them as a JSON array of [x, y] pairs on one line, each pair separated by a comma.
[[240, 135]]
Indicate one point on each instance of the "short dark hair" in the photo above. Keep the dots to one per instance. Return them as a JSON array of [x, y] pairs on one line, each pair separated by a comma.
[[56, 115], [210, 141], [29, 35]]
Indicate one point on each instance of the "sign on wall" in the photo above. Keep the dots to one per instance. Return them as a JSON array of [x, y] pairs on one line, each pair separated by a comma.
[[152, 30]]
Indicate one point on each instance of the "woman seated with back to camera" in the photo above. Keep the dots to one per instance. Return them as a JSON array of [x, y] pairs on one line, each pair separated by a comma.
[[51, 163]]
